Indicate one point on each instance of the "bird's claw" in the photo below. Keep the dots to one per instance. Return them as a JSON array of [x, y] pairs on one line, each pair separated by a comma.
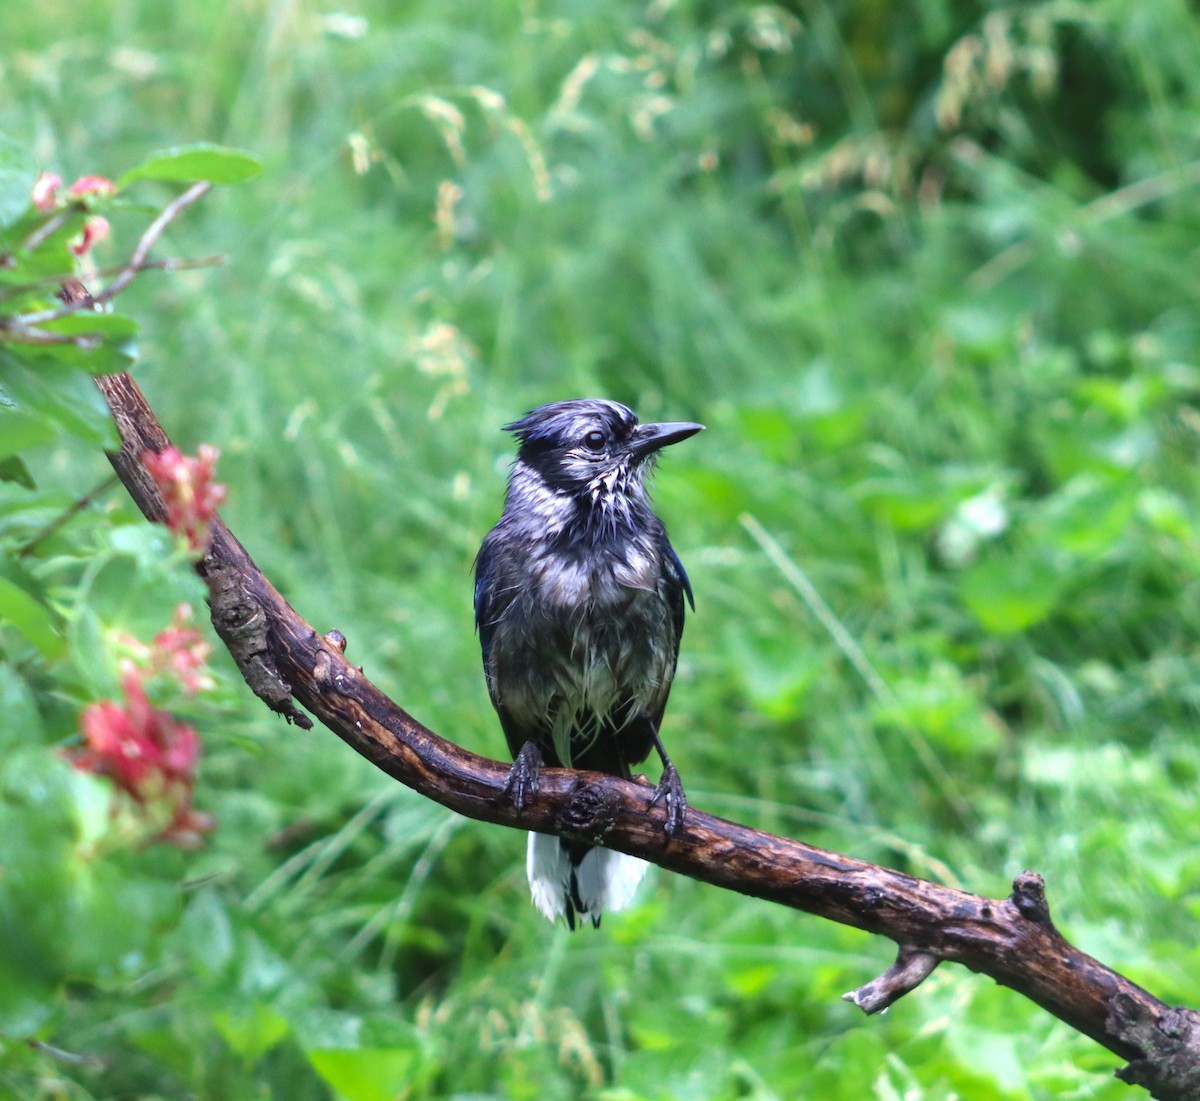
[[522, 779], [670, 789]]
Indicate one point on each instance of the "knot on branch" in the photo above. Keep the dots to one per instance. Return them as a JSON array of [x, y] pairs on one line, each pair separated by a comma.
[[1029, 897], [590, 811], [337, 640], [327, 672], [243, 625], [1170, 1044]]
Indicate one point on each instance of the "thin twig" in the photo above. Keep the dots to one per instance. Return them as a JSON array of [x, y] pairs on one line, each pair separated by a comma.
[[170, 264], [20, 334], [71, 1058], [130, 269], [67, 515], [153, 231]]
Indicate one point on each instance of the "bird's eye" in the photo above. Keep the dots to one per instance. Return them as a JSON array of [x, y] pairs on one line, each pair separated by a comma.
[[594, 440]]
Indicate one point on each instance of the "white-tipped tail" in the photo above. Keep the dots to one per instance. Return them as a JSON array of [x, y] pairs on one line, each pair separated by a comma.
[[604, 880], [549, 871]]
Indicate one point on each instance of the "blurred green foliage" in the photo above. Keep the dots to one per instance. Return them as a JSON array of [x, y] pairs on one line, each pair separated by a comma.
[[926, 272]]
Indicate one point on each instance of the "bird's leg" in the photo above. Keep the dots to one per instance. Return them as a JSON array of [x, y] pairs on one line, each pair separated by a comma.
[[523, 776], [669, 787]]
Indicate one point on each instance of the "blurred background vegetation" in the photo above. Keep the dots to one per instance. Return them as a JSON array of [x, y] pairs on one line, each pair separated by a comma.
[[928, 273]]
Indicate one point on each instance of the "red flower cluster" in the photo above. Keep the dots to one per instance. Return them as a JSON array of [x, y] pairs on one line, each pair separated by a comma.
[[180, 652], [191, 496], [92, 185], [145, 751], [149, 755]]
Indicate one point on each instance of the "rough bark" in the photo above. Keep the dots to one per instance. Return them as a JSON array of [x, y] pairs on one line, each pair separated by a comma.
[[1012, 940]]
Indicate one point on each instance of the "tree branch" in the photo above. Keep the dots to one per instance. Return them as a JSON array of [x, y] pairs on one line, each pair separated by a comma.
[[1012, 940]]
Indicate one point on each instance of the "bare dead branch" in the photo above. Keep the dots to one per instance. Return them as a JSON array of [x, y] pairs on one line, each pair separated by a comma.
[[1012, 940]]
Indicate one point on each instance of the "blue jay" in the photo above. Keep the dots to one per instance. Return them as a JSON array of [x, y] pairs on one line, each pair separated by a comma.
[[579, 606]]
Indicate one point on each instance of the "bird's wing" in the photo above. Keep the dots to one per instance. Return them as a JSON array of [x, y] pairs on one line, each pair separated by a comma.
[[484, 578], [486, 611], [678, 586]]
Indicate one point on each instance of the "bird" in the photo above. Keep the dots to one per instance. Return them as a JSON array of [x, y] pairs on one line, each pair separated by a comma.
[[579, 605]]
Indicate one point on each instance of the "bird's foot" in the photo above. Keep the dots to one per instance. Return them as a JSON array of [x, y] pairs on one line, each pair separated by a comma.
[[523, 776], [670, 789]]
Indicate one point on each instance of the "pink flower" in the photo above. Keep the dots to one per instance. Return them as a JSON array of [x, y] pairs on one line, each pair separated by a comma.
[[45, 191], [95, 229], [130, 744], [188, 489], [187, 828], [99, 186], [149, 755], [117, 746], [181, 652]]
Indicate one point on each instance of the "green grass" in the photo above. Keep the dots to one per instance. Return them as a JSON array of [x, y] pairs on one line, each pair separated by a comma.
[[893, 323]]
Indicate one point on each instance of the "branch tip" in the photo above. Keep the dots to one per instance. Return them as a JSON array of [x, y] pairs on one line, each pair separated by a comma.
[[1029, 897], [912, 967]]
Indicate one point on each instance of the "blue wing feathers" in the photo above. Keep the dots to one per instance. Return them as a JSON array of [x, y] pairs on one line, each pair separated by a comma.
[[678, 574], [484, 569]]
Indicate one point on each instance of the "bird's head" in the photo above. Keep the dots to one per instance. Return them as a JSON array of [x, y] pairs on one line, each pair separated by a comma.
[[592, 449]]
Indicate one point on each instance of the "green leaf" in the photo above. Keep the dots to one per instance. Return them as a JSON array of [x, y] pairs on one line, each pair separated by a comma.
[[202, 161], [31, 618], [941, 706], [1009, 595], [116, 916], [51, 258], [28, 989], [115, 350], [37, 834], [776, 681], [22, 721], [58, 393], [20, 431], [13, 469], [365, 1074], [1087, 516], [907, 503], [251, 1030], [18, 174], [207, 936], [109, 325]]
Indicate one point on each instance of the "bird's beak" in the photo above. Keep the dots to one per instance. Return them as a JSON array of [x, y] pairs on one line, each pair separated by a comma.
[[648, 438]]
